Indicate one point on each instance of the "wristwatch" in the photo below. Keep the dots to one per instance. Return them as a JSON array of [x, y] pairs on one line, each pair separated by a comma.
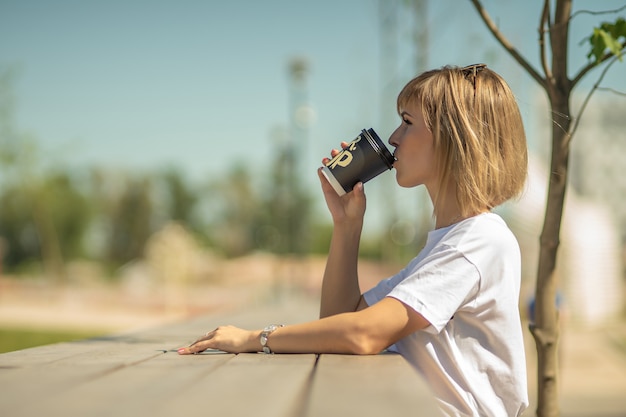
[[265, 334]]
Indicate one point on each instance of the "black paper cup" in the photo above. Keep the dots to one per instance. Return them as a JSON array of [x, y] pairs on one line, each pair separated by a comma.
[[363, 159]]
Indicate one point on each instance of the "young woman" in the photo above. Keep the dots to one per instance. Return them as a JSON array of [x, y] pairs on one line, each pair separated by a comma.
[[453, 310]]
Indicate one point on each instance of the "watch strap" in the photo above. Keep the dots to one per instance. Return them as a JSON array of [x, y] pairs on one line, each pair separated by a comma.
[[265, 334]]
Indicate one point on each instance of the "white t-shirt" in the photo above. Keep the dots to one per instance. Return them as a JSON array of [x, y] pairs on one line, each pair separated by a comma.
[[466, 283]]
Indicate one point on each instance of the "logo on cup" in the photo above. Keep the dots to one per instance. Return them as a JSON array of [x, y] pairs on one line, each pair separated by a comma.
[[344, 157], [360, 161]]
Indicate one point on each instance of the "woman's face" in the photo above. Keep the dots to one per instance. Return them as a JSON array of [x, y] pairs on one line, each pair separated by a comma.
[[415, 153]]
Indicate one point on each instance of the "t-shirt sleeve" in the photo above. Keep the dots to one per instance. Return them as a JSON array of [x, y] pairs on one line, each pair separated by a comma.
[[384, 287], [377, 293], [438, 286]]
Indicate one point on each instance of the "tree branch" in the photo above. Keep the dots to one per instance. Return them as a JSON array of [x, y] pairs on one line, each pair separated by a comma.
[[612, 90], [586, 101], [591, 12], [505, 42], [543, 22], [594, 64]]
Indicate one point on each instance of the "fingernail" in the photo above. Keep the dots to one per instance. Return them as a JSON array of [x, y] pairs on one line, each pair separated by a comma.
[[181, 351]]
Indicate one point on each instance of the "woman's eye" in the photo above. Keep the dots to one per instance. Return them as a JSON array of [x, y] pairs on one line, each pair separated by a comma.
[[405, 120]]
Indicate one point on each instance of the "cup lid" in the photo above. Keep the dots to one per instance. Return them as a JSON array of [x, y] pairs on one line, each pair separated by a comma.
[[379, 147]]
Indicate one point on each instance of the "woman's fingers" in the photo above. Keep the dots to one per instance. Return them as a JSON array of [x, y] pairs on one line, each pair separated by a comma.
[[200, 345], [197, 347], [335, 152], [326, 187], [225, 338]]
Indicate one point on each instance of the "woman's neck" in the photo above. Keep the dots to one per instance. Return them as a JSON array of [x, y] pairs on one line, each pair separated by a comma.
[[448, 219], [447, 210], [452, 217]]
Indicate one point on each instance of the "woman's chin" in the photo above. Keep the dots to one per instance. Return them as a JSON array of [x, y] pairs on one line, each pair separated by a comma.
[[405, 183]]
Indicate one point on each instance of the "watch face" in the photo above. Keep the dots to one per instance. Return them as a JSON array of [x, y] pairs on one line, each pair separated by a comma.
[[263, 340]]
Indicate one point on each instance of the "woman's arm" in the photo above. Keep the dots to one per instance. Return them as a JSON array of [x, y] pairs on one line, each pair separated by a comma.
[[340, 287], [364, 332]]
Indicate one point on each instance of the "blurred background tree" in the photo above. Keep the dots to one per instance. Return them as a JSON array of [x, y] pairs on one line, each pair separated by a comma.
[[43, 214], [131, 221], [181, 199], [234, 205]]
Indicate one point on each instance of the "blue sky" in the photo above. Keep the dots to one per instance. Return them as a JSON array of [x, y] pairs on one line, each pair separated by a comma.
[[143, 84]]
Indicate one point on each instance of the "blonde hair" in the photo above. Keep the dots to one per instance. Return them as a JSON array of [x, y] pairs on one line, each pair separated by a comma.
[[478, 134]]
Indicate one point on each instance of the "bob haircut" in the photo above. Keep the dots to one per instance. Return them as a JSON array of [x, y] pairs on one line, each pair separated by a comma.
[[478, 134]]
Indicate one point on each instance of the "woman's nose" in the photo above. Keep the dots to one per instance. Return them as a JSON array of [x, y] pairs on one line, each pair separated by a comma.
[[393, 139]]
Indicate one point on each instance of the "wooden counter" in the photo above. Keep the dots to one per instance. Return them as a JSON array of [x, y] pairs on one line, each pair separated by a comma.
[[140, 374]]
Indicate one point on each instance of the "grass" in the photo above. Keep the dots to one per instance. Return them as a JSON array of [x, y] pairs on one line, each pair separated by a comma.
[[12, 339]]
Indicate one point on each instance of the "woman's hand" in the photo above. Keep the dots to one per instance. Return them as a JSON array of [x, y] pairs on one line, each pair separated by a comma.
[[350, 207], [225, 338]]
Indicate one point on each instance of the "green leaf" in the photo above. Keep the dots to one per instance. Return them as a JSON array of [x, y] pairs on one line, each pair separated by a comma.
[[617, 29], [611, 43], [608, 38]]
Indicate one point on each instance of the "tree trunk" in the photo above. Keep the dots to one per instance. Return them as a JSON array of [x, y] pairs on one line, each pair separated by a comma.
[[51, 254], [546, 327]]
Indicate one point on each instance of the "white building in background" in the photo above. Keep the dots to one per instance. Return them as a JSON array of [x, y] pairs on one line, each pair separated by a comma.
[[590, 267], [598, 164], [598, 158], [591, 271]]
